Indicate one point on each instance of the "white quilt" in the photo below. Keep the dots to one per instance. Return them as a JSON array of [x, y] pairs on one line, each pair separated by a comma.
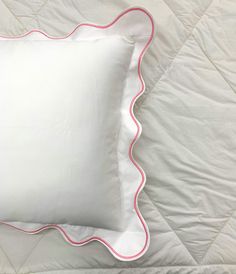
[[187, 148]]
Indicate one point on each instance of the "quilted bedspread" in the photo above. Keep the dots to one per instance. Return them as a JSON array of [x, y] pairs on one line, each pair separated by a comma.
[[187, 148]]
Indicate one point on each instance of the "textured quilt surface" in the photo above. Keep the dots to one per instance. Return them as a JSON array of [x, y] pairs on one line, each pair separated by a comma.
[[187, 148]]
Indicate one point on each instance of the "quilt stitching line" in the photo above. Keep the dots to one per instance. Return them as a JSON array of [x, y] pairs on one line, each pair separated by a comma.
[[162, 215], [8, 259], [212, 62], [177, 17], [42, 7], [35, 15], [13, 14], [31, 252], [216, 68], [177, 53], [217, 235], [195, 39]]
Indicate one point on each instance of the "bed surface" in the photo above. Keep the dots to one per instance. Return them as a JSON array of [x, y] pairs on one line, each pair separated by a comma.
[[187, 148]]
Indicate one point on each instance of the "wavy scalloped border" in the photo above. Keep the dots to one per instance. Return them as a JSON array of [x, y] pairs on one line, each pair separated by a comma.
[[136, 137]]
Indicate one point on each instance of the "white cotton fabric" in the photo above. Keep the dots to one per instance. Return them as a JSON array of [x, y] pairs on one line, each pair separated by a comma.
[[60, 121]]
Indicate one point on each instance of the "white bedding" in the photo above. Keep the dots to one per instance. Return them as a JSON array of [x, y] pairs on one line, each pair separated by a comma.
[[187, 147]]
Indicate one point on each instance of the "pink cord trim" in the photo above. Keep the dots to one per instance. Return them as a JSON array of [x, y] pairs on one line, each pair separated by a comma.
[[130, 147]]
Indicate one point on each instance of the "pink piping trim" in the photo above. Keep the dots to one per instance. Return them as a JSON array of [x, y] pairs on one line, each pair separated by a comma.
[[130, 147]]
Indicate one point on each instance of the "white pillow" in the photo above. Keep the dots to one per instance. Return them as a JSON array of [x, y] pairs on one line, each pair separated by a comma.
[[68, 130], [59, 122]]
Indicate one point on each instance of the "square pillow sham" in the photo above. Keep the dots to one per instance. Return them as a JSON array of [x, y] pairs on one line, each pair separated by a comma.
[[68, 130]]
